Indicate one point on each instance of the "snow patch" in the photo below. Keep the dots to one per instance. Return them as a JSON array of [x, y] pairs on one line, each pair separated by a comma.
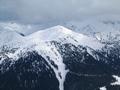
[[103, 88], [117, 80]]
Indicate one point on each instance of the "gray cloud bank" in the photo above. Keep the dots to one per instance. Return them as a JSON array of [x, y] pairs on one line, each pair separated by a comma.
[[42, 11]]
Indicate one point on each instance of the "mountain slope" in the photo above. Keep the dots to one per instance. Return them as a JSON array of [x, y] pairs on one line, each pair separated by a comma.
[[9, 38], [57, 59], [41, 43]]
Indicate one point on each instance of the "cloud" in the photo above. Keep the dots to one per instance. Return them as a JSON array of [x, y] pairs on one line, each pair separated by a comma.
[[42, 11]]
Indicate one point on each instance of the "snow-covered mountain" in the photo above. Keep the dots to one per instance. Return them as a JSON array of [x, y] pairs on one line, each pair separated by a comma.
[[104, 28], [41, 42], [56, 58]]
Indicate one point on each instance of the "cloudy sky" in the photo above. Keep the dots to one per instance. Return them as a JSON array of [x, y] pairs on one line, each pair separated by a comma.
[[44, 11]]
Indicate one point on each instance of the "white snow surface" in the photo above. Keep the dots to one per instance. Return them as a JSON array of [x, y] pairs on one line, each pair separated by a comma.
[[64, 35], [103, 88], [10, 38]]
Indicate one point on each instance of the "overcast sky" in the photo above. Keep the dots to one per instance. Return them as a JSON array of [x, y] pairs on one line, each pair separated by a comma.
[[43, 11]]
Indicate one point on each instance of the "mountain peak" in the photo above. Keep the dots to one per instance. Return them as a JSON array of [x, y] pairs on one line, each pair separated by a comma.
[[60, 29], [63, 35], [53, 32]]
